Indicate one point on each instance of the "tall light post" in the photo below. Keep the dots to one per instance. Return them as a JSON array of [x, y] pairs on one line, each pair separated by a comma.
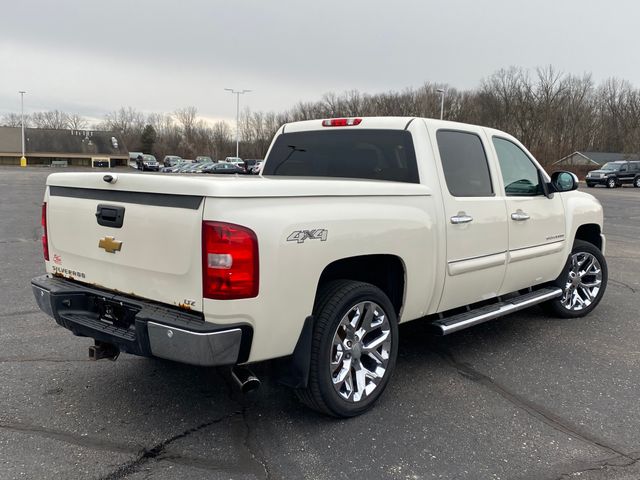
[[23, 160], [237, 93], [442, 92]]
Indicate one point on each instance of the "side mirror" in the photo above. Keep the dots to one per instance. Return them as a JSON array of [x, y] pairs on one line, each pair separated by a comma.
[[564, 181]]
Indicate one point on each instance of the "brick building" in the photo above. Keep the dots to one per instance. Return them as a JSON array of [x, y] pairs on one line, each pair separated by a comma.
[[62, 147]]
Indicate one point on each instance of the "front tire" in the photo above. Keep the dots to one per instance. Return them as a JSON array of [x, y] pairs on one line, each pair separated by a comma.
[[354, 348], [611, 183], [636, 182], [583, 281]]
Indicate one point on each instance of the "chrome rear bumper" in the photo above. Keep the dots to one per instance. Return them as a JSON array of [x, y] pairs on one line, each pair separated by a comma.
[[140, 327]]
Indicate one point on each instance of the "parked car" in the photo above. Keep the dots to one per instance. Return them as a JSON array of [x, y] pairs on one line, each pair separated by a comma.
[[170, 169], [133, 159], [203, 158], [147, 162], [171, 160], [375, 222], [191, 167], [223, 167], [200, 166], [615, 174], [181, 167], [236, 161], [249, 163], [257, 167]]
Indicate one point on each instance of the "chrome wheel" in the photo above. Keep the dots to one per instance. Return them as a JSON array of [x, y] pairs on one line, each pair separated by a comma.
[[611, 183], [583, 283], [637, 182], [360, 351]]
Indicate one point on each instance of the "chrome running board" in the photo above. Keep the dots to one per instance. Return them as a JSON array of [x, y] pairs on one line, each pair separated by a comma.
[[447, 325]]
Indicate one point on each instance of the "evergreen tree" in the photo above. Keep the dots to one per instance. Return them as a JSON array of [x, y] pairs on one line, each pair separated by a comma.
[[148, 138]]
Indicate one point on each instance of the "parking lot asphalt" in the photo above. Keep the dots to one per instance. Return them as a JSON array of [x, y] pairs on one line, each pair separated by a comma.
[[522, 397]]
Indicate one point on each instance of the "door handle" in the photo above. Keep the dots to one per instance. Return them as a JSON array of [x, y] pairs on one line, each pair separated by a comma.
[[461, 218], [519, 216]]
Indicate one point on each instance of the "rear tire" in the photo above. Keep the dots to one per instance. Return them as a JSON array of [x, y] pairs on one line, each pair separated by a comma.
[[354, 348], [583, 281]]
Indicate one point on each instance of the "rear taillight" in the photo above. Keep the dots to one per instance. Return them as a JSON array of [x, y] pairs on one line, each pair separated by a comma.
[[45, 238], [229, 261], [341, 122]]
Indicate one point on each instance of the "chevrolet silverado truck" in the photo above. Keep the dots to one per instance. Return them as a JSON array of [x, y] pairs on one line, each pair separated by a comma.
[[354, 226]]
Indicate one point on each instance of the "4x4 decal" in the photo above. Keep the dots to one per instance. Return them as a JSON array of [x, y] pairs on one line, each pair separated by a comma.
[[301, 235]]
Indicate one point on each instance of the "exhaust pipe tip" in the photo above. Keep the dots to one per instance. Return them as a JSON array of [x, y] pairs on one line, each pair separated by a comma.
[[245, 379]]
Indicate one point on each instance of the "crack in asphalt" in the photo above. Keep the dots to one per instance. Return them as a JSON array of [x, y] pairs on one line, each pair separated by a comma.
[[20, 312], [158, 449], [537, 411], [254, 454], [43, 360], [247, 445], [599, 466], [622, 284], [70, 438], [17, 240]]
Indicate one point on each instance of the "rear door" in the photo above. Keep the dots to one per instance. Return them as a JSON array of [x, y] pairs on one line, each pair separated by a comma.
[[625, 175], [152, 251], [476, 225]]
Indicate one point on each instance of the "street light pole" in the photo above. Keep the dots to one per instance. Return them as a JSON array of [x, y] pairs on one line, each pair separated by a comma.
[[237, 93], [23, 160], [442, 92]]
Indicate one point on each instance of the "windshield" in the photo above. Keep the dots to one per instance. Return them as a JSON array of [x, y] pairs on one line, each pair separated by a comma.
[[611, 166], [149, 158], [371, 154]]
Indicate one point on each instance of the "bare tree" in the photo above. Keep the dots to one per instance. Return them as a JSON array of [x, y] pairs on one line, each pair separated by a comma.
[[76, 122], [222, 142], [54, 119], [15, 120], [128, 122]]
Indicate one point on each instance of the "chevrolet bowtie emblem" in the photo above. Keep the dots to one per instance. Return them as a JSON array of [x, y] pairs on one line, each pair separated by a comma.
[[110, 244]]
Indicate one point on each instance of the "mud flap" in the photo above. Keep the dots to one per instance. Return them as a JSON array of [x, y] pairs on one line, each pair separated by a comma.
[[293, 371]]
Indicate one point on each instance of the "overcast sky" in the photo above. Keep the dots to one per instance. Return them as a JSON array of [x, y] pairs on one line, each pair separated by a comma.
[[92, 57]]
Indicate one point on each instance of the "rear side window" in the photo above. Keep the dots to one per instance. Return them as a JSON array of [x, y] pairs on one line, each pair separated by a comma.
[[371, 154], [464, 162]]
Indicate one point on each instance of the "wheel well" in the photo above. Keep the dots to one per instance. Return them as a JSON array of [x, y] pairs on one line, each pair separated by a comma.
[[590, 233], [384, 271]]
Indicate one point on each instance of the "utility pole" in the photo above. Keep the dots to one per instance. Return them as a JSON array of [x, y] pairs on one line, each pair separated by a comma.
[[237, 93], [23, 159], [442, 92]]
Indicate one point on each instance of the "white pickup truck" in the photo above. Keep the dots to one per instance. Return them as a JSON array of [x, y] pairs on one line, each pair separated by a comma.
[[354, 226]]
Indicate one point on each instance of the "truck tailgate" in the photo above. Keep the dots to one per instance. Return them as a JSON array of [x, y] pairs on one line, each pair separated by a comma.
[[154, 254]]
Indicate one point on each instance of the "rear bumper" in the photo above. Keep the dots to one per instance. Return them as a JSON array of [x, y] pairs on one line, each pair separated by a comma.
[[140, 327]]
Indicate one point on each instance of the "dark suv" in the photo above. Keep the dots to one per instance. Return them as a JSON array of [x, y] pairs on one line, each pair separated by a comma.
[[615, 174]]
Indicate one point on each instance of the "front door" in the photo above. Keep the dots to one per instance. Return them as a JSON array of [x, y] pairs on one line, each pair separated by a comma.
[[536, 222]]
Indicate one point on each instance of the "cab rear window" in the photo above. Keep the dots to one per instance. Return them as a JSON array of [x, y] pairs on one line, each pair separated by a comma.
[[368, 154]]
